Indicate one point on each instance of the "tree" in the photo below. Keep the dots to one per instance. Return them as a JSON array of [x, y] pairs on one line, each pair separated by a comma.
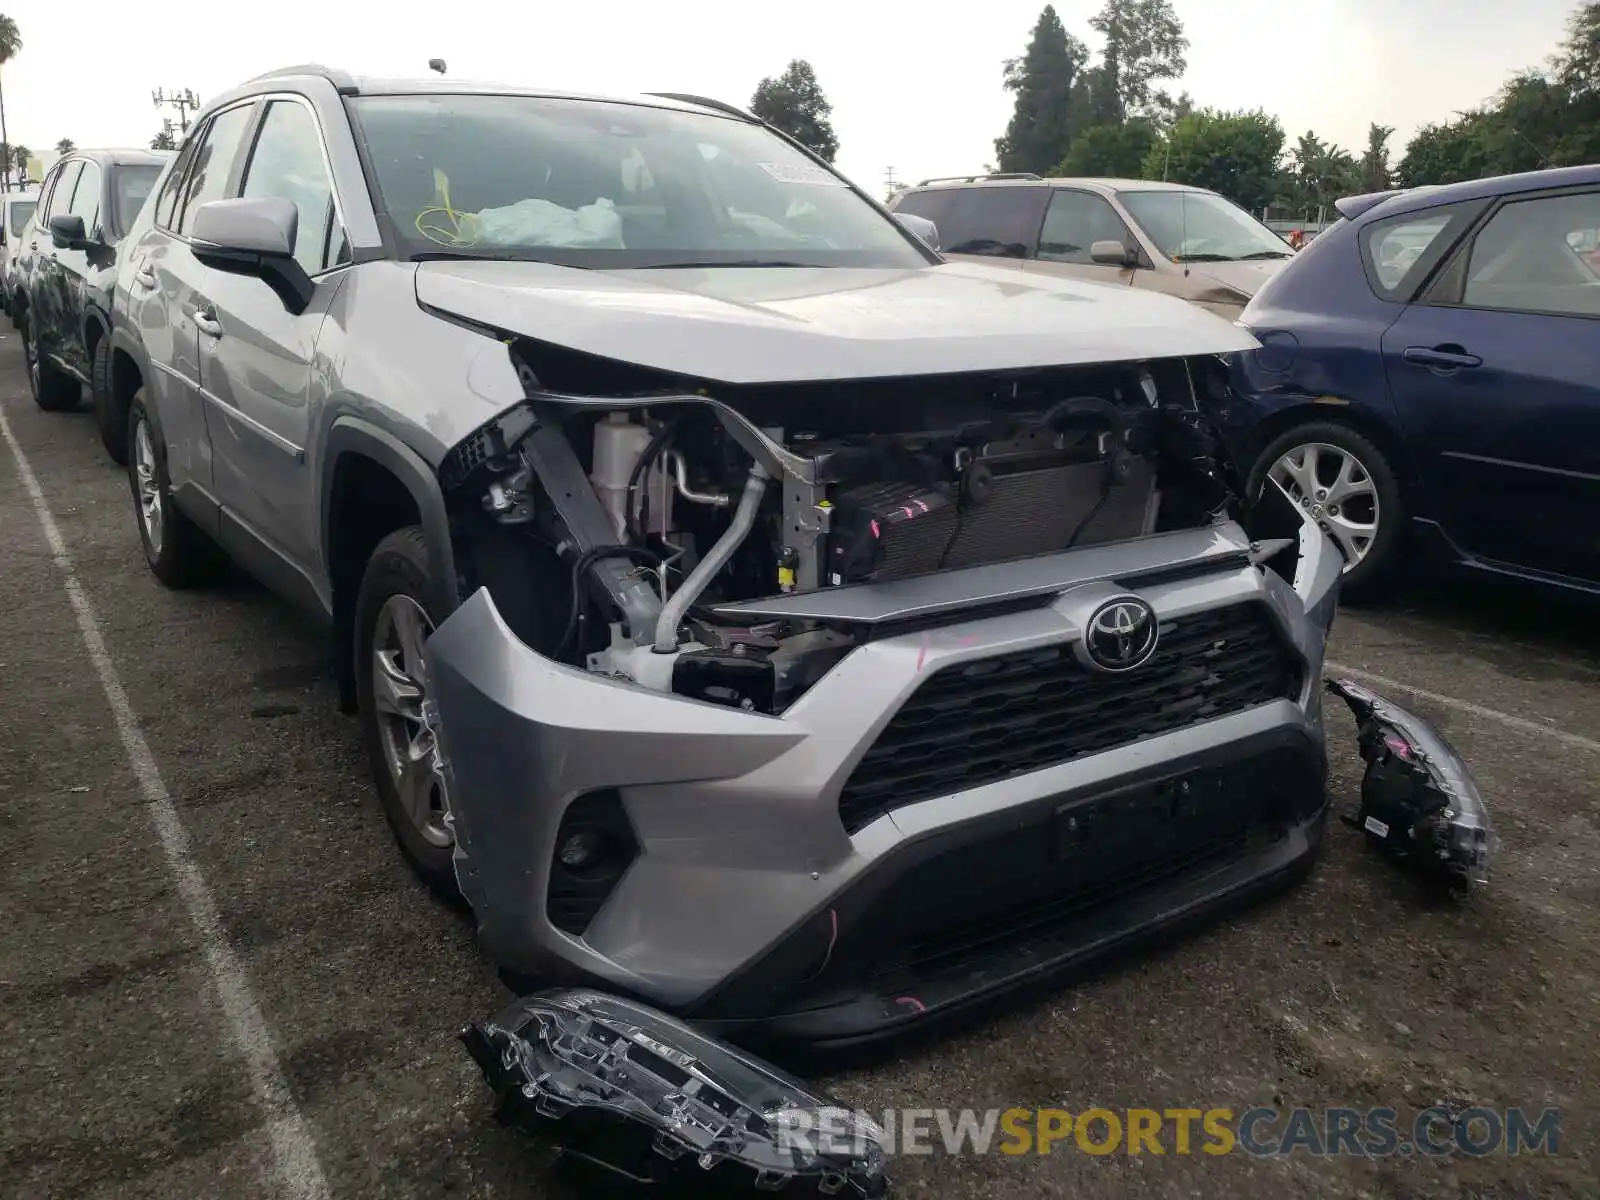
[[1318, 173], [1144, 44], [1375, 159], [1111, 151], [1446, 153], [164, 141], [10, 47], [1577, 63], [794, 103], [66, 146], [1049, 98], [1233, 153], [19, 159]]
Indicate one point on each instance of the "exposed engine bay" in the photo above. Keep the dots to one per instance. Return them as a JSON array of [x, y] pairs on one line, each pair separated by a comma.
[[634, 534]]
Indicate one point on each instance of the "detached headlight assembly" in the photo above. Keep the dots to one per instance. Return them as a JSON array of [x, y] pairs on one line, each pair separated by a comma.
[[1418, 799], [640, 1095]]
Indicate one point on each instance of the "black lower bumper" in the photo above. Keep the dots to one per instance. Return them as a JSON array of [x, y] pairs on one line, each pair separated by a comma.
[[967, 916]]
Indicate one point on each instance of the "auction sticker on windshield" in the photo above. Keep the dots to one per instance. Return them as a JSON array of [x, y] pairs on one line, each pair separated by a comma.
[[802, 173]]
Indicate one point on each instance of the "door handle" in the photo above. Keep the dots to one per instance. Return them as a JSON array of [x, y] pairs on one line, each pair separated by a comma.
[[207, 324], [1449, 358]]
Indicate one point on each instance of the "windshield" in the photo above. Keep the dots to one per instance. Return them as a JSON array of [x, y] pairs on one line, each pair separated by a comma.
[[21, 210], [132, 189], [1202, 227], [592, 184]]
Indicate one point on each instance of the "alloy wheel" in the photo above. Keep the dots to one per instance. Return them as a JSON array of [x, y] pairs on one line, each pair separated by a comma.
[[149, 486], [1334, 488], [399, 689]]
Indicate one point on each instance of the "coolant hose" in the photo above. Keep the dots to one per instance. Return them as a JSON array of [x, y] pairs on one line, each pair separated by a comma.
[[744, 519]]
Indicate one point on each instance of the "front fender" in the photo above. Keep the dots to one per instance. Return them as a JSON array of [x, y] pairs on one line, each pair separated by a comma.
[[352, 435]]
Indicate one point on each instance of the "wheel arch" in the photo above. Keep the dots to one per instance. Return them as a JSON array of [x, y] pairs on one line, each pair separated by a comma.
[[1359, 418], [372, 484], [96, 325], [128, 375]]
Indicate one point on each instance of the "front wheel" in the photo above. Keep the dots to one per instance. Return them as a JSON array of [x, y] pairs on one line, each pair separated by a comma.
[[392, 621], [53, 389], [178, 551], [1342, 481]]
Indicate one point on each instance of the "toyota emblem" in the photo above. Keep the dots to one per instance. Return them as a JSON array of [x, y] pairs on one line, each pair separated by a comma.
[[1121, 634]]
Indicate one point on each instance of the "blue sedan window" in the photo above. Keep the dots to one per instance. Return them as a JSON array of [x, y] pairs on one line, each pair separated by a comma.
[[1529, 257]]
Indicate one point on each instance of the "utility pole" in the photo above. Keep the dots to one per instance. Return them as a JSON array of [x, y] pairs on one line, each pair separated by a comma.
[[890, 183], [185, 102]]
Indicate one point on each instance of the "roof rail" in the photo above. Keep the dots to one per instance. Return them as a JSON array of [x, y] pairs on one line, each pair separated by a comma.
[[980, 178], [340, 79], [704, 102]]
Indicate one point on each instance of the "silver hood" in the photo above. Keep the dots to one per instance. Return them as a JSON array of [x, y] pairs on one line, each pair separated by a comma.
[[780, 324]]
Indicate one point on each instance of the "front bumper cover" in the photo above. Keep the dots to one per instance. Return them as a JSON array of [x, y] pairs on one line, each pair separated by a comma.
[[744, 872]]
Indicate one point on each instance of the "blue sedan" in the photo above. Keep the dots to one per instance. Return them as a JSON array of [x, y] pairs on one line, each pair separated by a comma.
[[1429, 379]]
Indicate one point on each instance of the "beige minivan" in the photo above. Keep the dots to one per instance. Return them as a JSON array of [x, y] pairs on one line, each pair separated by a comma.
[[1168, 237]]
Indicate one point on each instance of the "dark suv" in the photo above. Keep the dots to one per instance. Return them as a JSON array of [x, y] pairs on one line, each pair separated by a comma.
[[66, 268]]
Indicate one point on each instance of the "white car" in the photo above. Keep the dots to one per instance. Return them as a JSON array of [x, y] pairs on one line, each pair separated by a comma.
[[16, 210]]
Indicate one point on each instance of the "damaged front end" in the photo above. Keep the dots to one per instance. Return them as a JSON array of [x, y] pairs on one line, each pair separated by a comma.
[[641, 1097], [815, 710], [1419, 801]]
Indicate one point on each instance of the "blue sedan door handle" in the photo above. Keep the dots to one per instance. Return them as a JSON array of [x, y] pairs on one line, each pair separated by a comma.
[[1448, 357]]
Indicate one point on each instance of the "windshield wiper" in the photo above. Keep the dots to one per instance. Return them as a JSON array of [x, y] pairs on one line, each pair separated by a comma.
[[1260, 254], [1203, 258]]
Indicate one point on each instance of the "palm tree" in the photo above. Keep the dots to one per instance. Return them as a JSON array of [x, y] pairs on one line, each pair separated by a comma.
[[19, 159], [10, 47], [66, 146]]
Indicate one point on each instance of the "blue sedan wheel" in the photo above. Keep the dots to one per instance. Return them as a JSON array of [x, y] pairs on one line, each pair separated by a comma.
[[1342, 481], [1336, 490]]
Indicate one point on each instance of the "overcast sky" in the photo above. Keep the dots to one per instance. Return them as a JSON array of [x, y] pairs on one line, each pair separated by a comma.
[[916, 87]]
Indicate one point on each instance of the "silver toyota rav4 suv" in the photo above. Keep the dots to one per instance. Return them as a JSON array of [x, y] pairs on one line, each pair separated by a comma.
[[747, 610]]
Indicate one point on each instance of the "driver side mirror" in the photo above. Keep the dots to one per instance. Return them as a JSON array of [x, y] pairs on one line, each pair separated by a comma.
[[254, 237], [1112, 253], [925, 229], [67, 232]]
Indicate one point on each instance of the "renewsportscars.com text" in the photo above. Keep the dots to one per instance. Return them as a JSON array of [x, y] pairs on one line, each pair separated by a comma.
[[1262, 1132]]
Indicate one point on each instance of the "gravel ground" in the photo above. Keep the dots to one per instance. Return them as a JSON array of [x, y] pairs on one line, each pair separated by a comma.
[[123, 1073]]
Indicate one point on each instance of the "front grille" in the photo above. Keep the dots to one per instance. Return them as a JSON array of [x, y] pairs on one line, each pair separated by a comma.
[[983, 721], [1044, 879]]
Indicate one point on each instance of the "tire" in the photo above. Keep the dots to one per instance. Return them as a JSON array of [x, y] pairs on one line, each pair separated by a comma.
[[111, 417], [1372, 564], [53, 390], [395, 590], [178, 550]]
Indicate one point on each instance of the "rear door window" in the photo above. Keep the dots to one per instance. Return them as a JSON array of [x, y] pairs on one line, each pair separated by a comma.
[[1000, 221], [1530, 257]]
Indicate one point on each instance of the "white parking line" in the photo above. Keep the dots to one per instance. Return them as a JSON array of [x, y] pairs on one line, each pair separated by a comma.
[[299, 1172], [1466, 706]]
